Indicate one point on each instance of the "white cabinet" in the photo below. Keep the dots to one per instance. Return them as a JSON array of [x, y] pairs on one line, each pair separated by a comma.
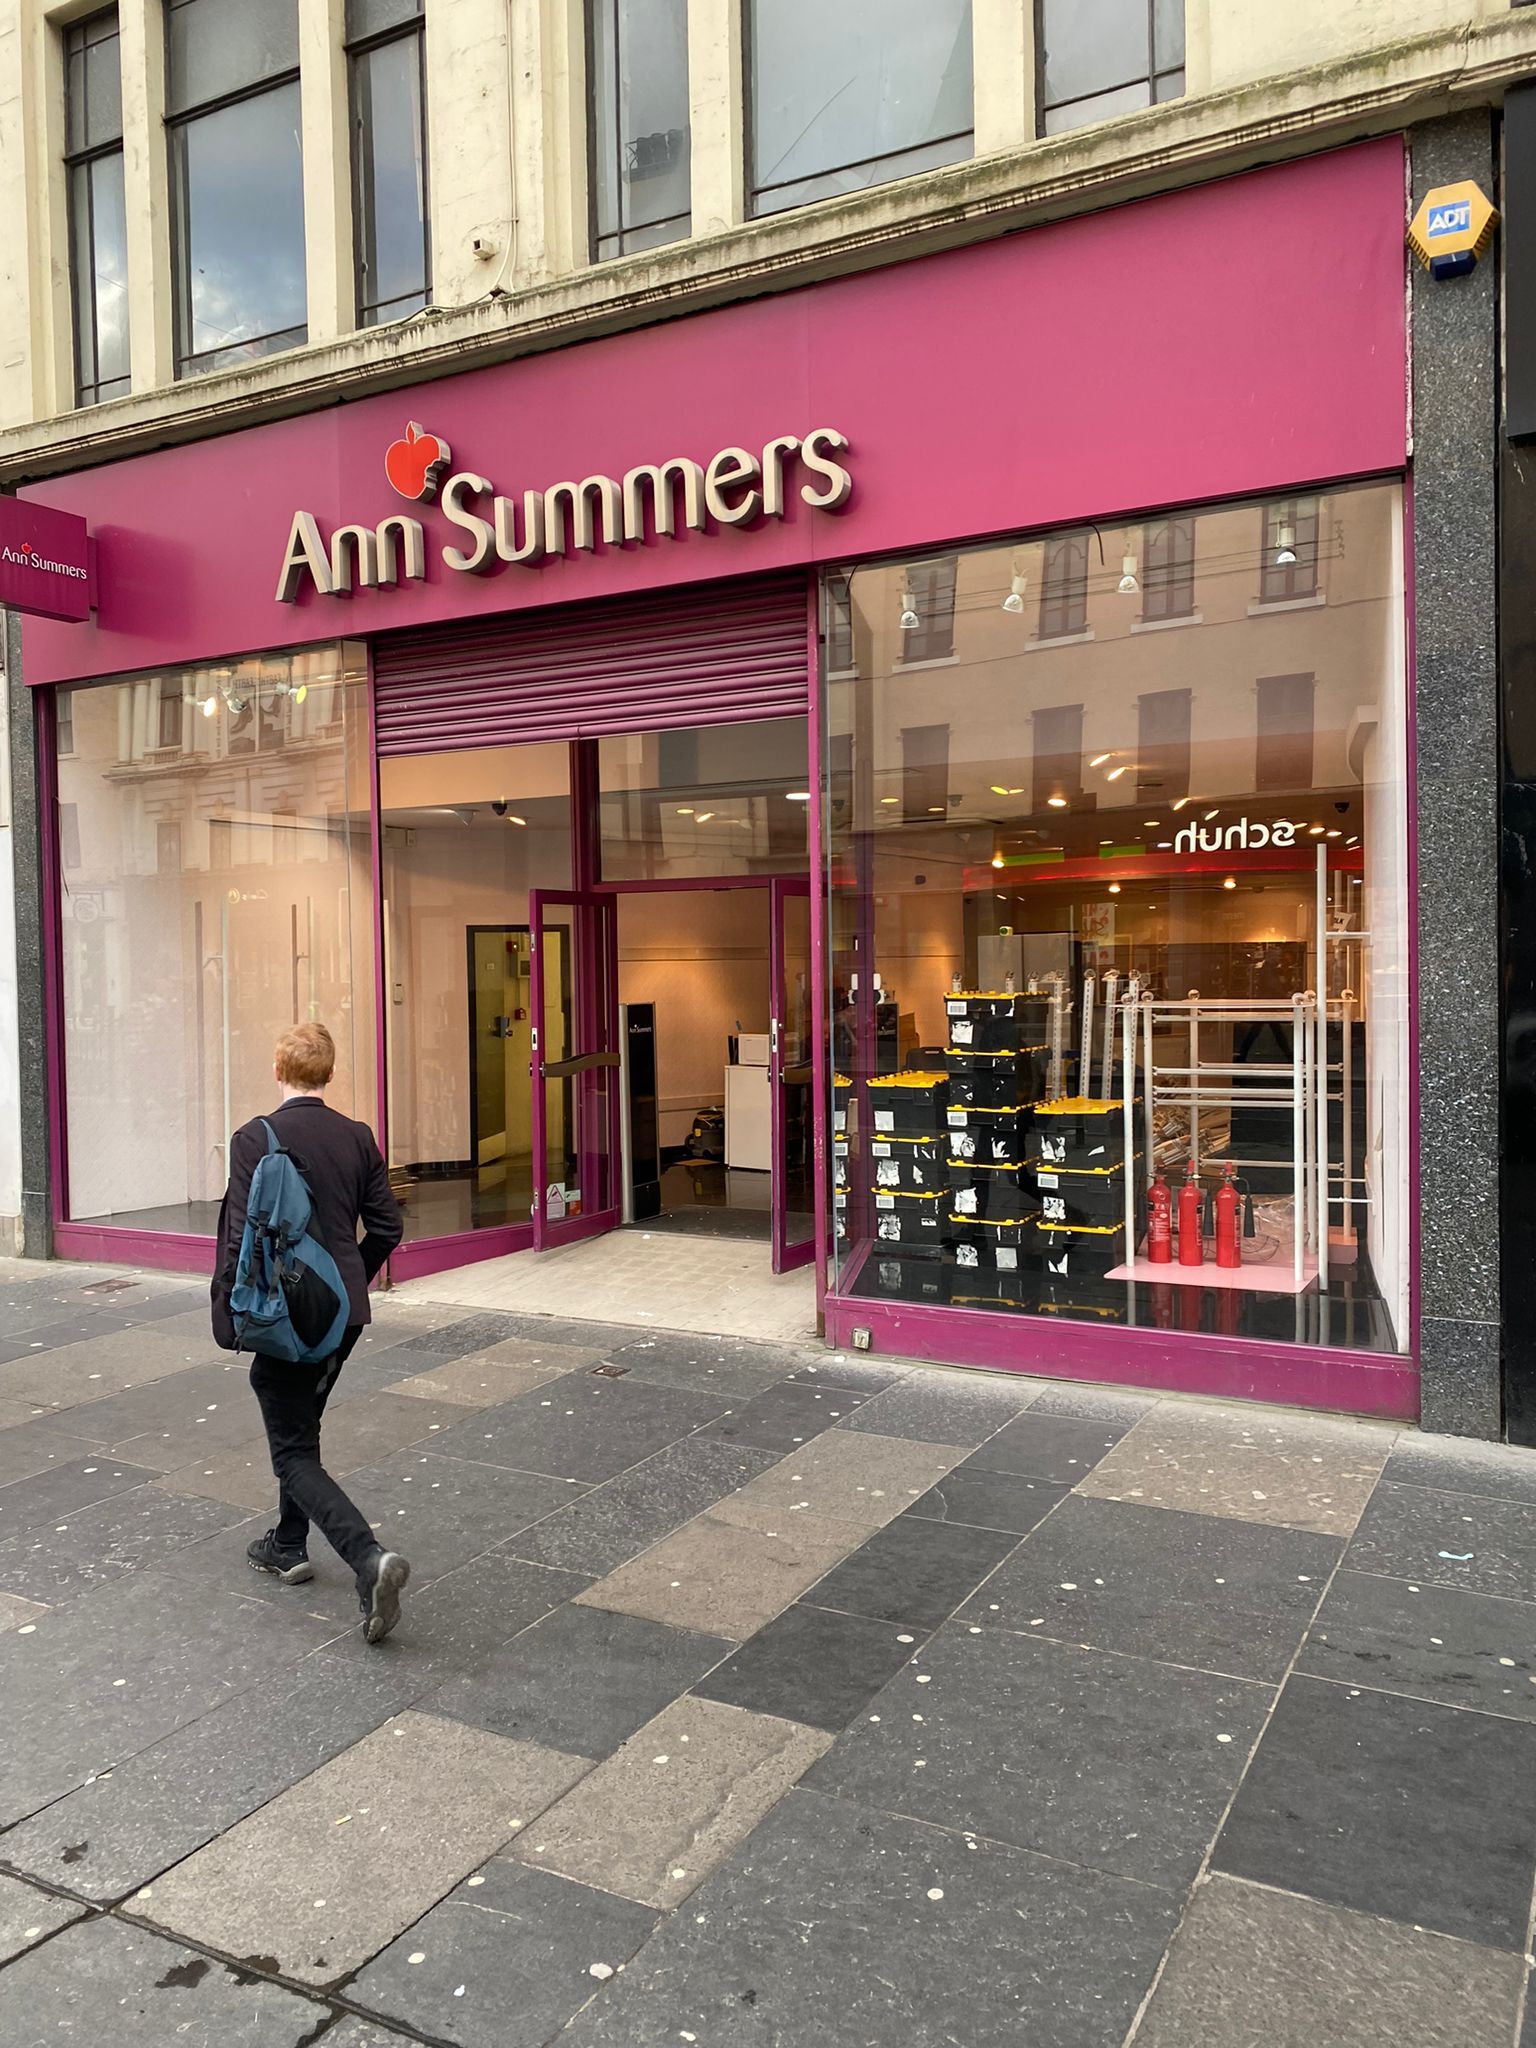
[[748, 1119]]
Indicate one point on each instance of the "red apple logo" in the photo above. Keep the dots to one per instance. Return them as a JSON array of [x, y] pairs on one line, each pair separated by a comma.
[[414, 464]]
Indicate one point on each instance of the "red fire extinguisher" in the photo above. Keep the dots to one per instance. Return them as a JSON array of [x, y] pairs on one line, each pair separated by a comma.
[[1191, 1244], [1229, 1251], [1160, 1222]]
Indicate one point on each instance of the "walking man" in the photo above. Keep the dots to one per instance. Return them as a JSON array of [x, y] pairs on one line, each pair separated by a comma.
[[348, 1185]]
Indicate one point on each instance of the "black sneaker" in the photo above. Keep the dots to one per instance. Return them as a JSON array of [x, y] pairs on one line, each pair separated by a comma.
[[268, 1555], [379, 1586]]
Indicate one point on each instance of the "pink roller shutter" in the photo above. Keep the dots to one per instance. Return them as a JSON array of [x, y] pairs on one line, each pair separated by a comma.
[[711, 656]]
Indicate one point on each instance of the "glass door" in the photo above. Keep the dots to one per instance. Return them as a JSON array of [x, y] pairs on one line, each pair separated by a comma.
[[792, 1095], [574, 1063]]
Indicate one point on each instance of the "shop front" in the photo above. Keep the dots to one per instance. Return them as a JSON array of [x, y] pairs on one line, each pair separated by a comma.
[[956, 720]]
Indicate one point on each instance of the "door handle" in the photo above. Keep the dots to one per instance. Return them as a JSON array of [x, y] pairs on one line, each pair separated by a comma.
[[584, 1063]]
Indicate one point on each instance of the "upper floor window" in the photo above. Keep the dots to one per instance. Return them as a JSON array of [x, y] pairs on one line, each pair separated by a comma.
[[1064, 586], [928, 611], [1288, 561], [638, 51], [98, 235], [1103, 57], [1168, 576], [237, 180], [837, 102], [386, 57]]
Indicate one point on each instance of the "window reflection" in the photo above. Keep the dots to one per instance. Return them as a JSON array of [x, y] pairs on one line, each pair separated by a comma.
[[1099, 58], [640, 126], [704, 800], [389, 157], [98, 226]]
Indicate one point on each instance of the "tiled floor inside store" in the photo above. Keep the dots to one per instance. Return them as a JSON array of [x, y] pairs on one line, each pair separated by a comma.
[[748, 1695]]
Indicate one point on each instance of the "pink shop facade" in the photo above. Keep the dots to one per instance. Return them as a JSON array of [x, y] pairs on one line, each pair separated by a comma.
[[912, 774]]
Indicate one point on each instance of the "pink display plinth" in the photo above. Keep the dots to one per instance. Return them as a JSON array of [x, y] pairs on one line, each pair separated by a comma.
[[1275, 1276]]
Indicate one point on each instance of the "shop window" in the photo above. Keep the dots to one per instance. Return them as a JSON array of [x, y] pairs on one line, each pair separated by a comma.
[[704, 800], [237, 180], [1098, 58], [1058, 758], [640, 173], [1162, 743], [928, 611], [837, 103], [64, 724], [466, 837], [386, 62], [1168, 570], [842, 658], [1288, 551], [1064, 587], [211, 901], [1286, 732], [98, 232], [1135, 833]]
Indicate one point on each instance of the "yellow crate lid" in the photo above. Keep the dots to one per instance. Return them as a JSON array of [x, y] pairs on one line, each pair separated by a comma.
[[1081, 1229], [1079, 1105], [987, 1165], [991, 1222], [906, 1194], [905, 1080], [1082, 1172]]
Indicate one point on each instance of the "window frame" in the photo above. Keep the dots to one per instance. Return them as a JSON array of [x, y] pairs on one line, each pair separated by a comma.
[[89, 390], [188, 362], [353, 48], [1150, 78], [683, 222], [1170, 581], [1074, 602], [933, 638], [1278, 584]]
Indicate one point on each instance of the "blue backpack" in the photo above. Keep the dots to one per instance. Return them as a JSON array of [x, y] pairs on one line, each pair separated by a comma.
[[288, 1300]]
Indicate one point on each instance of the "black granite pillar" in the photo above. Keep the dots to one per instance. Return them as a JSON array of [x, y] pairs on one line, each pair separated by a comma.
[[37, 1079], [1455, 368]]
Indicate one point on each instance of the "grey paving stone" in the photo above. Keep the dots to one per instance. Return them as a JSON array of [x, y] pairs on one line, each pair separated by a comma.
[[1092, 1404], [354, 2032], [1061, 1448], [1250, 1965], [946, 1408], [726, 1575], [666, 1809], [107, 1838], [425, 1801], [1431, 1642], [55, 1495], [105, 1542], [1448, 1539], [858, 1375], [581, 1428], [442, 1511], [925, 1937], [811, 1665], [1298, 1471], [455, 1627], [785, 1416], [1105, 1761], [1392, 1806], [989, 1500], [219, 1564], [1153, 1582], [581, 1680], [28, 1916], [30, 1447], [614, 1522], [682, 1358], [210, 1404], [475, 1381], [506, 1960], [105, 1982], [865, 1479], [454, 1339], [123, 1667], [912, 1571], [1455, 1464], [18, 1613]]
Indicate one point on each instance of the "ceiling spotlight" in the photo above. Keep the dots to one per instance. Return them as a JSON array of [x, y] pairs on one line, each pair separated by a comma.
[[1285, 553], [1150, 823], [1213, 814], [1098, 760], [998, 789], [797, 796], [685, 810], [514, 819], [1353, 842], [299, 693], [1165, 846], [935, 810], [909, 621], [1178, 803], [1128, 586], [1014, 601], [1114, 888], [209, 706], [1115, 774], [890, 799], [704, 817], [997, 860], [1230, 882], [1057, 803], [1315, 830], [1335, 833]]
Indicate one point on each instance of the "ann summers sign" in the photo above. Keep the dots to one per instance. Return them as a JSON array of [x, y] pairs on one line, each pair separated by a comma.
[[45, 561], [736, 487]]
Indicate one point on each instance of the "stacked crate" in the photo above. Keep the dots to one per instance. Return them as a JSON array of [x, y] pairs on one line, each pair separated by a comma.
[[996, 1059], [906, 1152], [1076, 1169]]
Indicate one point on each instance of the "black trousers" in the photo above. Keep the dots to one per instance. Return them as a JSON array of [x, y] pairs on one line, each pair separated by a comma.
[[292, 1399]]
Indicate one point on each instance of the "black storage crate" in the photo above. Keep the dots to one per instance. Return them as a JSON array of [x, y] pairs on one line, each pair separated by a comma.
[[1084, 1195], [907, 1105], [992, 1191], [912, 1166], [895, 1277], [914, 1222], [842, 1095], [987, 1137], [1083, 1250], [1078, 1131], [992, 1244], [989, 1286]]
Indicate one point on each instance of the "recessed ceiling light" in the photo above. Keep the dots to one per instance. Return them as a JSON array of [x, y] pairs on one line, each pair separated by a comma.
[[890, 799], [685, 810], [1315, 830], [704, 817], [1057, 803], [797, 796], [1165, 846], [1150, 823], [1098, 760], [1229, 883], [1179, 803], [997, 860], [1114, 888], [998, 789], [1213, 814], [935, 810]]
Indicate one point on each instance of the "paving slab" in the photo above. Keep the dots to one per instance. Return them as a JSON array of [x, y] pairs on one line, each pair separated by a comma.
[[812, 1666], [1301, 1472], [613, 1522], [667, 1808], [456, 1337], [1060, 1448], [918, 1930], [476, 1382], [913, 1572], [219, 1564], [1480, 1544], [18, 1613], [28, 1916], [945, 1408], [725, 1576], [202, 1405], [851, 1478], [71, 1374], [580, 1681], [456, 1627], [683, 1358], [442, 1511], [1430, 1642], [1397, 1807], [105, 1542], [127, 1826], [582, 1428], [1454, 1464], [1092, 1403], [29, 1446], [354, 2032], [52, 1496], [989, 1500], [860, 1375], [331, 1871], [785, 1416], [16, 1415], [1110, 1762], [1250, 1965], [105, 1982], [1198, 1590], [506, 1960]]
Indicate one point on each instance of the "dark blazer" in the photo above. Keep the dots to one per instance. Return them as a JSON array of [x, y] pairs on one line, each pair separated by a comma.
[[348, 1181]]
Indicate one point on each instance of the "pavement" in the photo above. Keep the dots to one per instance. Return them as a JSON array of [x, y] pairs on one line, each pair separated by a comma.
[[747, 1696]]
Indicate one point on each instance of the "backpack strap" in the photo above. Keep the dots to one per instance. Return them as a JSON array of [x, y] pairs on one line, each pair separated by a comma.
[[274, 1142]]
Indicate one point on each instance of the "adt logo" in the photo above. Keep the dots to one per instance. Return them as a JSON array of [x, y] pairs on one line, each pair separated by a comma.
[[1450, 220]]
